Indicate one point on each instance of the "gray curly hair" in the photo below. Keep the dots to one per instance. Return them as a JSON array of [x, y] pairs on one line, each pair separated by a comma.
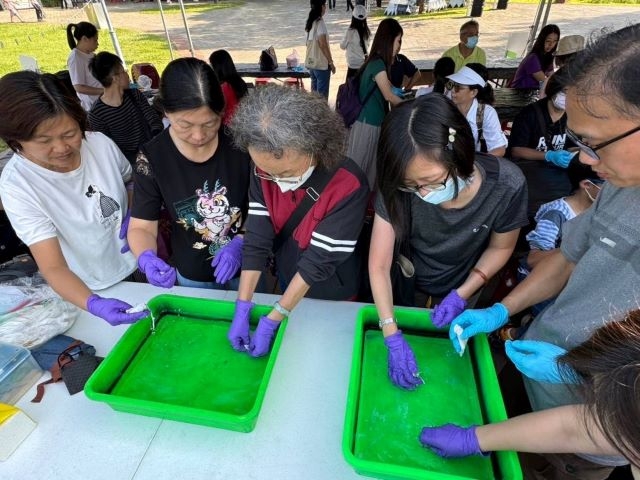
[[274, 118]]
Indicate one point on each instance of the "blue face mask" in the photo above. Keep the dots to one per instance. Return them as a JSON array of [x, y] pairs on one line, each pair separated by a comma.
[[472, 42], [441, 196]]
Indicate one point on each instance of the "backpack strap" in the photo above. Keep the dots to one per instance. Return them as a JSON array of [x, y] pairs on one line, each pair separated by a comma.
[[56, 372], [313, 188], [479, 124]]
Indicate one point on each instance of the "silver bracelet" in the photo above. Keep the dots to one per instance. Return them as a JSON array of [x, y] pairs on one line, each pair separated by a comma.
[[280, 309], [386, 321]]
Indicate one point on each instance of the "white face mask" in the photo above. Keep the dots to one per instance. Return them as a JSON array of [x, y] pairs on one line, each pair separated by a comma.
[[559, 100], [292, 183]]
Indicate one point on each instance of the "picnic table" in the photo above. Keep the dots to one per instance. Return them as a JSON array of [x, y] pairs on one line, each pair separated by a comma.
[[252, 70], [500, 70]]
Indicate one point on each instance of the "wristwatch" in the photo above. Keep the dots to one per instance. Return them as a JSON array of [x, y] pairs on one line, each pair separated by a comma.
[[386, 321], [280, 309]]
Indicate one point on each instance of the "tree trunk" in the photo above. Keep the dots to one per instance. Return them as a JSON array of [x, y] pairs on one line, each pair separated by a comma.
[[420, 6]]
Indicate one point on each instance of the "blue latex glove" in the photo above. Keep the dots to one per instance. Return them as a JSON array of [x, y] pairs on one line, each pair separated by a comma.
[[228, 260], [112, 310], [560, 158], [157, 271], [398, 92], [451, 306], [451, 441], [538, 360], [238, 333], [261, 339], [478, 321], [401, 362], [124, 227]]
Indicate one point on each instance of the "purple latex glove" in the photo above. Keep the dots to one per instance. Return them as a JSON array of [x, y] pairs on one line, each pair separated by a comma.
[[157, 271], [238, 333], [402, 366], [112, 310], [228, 260], [124, 227], [451, 441], [261, 339], [451, 306]]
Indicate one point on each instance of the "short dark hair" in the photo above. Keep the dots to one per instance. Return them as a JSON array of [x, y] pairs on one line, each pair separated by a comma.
[[609, 66], [27, 99], [608, 364], [554, 84], [190, 83], [470, 23], [443, 67], [103, 67], [75, 31], [420, 127]]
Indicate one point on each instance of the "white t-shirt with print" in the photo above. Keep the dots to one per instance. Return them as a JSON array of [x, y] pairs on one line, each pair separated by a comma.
[[83, 209], [491, 128]]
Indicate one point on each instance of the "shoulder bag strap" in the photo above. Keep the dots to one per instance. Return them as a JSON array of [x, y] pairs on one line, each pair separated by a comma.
[[543, 126], [314, 187]]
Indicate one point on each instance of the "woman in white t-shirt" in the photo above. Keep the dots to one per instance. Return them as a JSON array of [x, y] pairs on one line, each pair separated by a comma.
[[472, 95], [356, 40], [318, 60], [64, 193], [82, 38]]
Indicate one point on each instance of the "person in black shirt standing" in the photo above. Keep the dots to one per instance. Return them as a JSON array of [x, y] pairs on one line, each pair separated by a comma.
[[193, 169]]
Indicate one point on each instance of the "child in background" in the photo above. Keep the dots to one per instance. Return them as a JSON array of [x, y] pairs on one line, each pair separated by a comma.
[[356, 41]]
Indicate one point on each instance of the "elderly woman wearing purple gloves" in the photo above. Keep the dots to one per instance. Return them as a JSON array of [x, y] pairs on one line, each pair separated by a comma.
[[459, 210], [64, 193], [192, 169]]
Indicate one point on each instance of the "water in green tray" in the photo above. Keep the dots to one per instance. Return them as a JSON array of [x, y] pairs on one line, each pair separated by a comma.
[[390, 419], [189, 362]]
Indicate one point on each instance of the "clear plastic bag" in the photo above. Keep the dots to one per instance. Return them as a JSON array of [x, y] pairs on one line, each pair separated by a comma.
[[32, 313]]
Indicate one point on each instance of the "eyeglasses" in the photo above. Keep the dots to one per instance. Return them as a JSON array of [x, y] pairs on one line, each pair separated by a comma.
[[273, 178], [456, 87], [433, 187], [591, 149]]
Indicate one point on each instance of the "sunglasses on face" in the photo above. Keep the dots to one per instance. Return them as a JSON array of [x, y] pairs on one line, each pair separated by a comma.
[[456, 87], [591, 149]]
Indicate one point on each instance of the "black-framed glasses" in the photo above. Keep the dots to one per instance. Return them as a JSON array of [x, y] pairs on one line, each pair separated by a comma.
[[432, 187], [456, 87], [273, 178], [591, 149]]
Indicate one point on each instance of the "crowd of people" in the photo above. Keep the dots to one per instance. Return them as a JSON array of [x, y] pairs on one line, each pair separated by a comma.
[[250, 190]]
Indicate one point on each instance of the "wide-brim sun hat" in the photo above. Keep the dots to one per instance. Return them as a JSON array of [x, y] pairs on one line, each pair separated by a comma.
[[359, 12], [466, 76], [569, 44]]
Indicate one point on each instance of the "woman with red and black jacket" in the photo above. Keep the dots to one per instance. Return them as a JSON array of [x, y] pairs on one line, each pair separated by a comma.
[[291, 157]]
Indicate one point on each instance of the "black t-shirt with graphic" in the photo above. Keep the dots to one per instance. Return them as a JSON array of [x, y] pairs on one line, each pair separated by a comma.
[[545, 181], [207, 202]]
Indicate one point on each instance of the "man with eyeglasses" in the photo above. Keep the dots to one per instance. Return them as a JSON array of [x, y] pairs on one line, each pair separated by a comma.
[[596, 270], [467, 51]]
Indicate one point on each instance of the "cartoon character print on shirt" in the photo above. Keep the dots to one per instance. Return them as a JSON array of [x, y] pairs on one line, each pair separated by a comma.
[[211, 216], [107, 208]]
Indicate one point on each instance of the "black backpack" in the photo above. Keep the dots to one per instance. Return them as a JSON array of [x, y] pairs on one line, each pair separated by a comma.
[[268, 60]]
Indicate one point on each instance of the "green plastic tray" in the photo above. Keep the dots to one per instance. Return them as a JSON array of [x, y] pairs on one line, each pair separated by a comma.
[[186, 370], [382, 422]]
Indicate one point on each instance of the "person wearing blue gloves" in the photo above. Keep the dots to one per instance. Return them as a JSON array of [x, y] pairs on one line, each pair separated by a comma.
[[193, 170], [306, 206], [603, 370], [539, 145], [459, 210], [595, 272]]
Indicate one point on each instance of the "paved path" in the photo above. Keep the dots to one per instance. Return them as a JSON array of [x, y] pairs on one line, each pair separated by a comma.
[[245, 31]]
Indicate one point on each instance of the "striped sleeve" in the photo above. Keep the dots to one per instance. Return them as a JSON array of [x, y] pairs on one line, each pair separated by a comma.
[[259, 233]]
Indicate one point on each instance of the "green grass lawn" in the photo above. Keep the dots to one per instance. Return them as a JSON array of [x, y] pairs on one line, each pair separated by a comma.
[[48, 44], [192, 8]]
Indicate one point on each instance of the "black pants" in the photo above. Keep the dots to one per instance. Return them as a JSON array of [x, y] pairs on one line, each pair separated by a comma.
[[332, 4], [349, 5]]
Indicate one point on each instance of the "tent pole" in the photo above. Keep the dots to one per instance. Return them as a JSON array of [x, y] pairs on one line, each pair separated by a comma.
[[112, 33], [164, 25], [186, 28], [546, 13]]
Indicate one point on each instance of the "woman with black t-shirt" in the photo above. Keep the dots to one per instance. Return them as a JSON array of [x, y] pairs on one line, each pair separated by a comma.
[[194, 171]]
